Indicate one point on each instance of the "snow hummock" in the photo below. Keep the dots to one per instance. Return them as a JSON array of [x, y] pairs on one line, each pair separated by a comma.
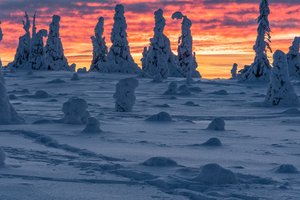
[[160, 117], [184, 90], [159, 162], [40, 94], [119, 59], [293, 58], [287, 169], [186, 57], [75, 110], [158, 57], [125, 94], [92, 126], [218, 124], [213, 142], [214, 174], [260, 68], [172, 89], [281, 91]]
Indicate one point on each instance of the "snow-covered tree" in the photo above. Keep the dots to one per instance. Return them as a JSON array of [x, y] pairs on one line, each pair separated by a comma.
[[260, 68], [99, 46], [158, 59], [1, 37], [234, 71], [280, 91], [186, 56], [119, 59], [55, 58], [293, 58], [23, 50]]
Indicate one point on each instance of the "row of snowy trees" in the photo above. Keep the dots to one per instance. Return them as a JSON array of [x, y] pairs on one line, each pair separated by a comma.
[[31, 53]]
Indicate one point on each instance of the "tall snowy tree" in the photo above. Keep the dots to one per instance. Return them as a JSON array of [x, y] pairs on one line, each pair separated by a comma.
[[99, 46], [260, 68], [23, 50], [281, 91], [55, 58], [186, 56], [158, 59], [119, 59], [293, 58]]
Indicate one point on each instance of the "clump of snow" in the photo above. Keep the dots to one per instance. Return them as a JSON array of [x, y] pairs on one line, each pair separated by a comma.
[[214, 174], [184, 90], [159, 162], [260, 68], [125, 94], [220, 92], [213, 142], [75, 110], [293, 58], [234, 71], [2, 158], [218, 124], [82, 70], [55, 81], [172, 89], [160, 117], [281, 91], [191, 103], [92, 126], [75, 77], [287, 169], [40, 94], [158, 58]]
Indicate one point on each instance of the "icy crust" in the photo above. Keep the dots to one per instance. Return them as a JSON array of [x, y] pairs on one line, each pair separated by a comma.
[[75, 111], [125, 94], [158, 59], [119, 59], [260, 68], [280, 91], [293, 59]]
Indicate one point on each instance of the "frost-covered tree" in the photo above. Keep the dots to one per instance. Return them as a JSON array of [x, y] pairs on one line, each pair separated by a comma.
[[280, 91], [186, 56], [234, 71], [293, 58], [55, 58], [119, 59], [99, 46], [158, 59], [260, 68], [23, 50]]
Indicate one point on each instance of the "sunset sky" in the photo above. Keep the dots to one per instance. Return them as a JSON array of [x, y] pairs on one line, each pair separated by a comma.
[[224, 31]]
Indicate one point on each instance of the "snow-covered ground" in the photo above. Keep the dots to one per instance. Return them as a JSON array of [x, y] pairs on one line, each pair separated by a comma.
[[46, 159]]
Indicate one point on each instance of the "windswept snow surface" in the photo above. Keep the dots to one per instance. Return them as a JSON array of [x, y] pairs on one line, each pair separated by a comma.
[[45, 159]]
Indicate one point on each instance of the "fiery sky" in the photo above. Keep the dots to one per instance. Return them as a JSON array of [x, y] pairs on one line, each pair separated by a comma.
[[224, 31]]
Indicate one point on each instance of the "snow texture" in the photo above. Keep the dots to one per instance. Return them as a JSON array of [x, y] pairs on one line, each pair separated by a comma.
[[160, 117], [100, 49], [125, 94], [92, 126], [293, 58], [172, 89], [260, 68], [119, 59], [55, 58], [75, 110], [158, 57], [218, 124], [186, 57], [159, 162], [280, 91]]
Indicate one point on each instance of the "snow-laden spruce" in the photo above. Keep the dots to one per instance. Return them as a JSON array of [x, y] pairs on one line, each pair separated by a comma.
[[99, 46], [119, 59], [23, 50], [186, 56], [55, 58], [280, 91], [260, 68], [234, 71], [75, 110], [36, 59], [125, 94], [293, 58], [158, 59]]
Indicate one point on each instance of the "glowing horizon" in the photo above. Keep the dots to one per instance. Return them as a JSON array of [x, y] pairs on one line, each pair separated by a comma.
[[223, 31]]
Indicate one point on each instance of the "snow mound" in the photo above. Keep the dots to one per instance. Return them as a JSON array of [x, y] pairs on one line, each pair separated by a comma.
[[292, 111], [220, 92], [12, 97], [218, 124], [287, 169], [172, 89], [75, 77], [184, 90], [159, 162], [55, 81], [40, 94], [214, 174], [125, 94], [92, 126], [75, 110], [160, 117], [213, 142], [191, 103], [2, 158]]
